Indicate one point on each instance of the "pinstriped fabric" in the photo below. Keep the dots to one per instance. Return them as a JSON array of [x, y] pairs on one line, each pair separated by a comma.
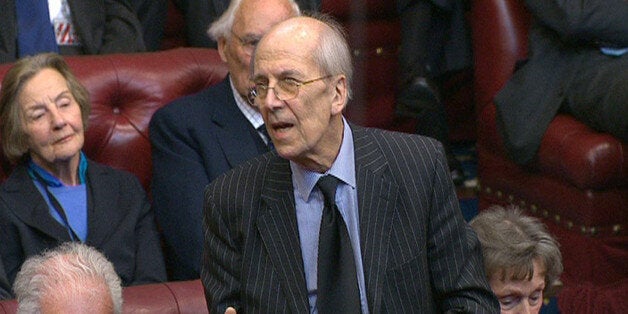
[[419, 255]]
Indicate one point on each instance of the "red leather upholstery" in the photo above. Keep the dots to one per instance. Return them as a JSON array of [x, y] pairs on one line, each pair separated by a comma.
[[126, 89], [184, 297], [374, 34], [579, 184]]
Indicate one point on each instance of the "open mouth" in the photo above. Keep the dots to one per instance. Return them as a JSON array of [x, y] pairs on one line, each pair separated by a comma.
[[280, 126]]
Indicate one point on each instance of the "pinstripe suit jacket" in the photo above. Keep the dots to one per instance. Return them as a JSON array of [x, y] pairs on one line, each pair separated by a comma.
[[419, 255]]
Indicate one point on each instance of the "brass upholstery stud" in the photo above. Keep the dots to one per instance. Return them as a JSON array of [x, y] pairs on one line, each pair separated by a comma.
[[557, 218], [499, 194], [569, 225], [616, 229]]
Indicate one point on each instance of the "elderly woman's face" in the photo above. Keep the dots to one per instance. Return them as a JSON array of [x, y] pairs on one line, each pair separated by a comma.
[[520, 296], [51, 119]]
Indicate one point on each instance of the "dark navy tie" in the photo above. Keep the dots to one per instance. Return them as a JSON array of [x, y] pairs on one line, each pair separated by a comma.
[[338, 290], [35, 33], [262, 129]]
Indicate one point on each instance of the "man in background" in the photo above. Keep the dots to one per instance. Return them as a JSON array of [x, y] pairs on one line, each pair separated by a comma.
[[577, 64], [198, 137]]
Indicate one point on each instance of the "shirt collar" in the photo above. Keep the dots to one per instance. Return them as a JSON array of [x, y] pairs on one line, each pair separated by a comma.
[[342, 168], [35, 171], [254, 116]]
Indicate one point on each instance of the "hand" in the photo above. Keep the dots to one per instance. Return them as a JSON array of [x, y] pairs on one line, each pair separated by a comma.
[[230, 310]]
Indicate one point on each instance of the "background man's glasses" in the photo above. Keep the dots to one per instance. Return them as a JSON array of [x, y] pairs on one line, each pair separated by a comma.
[[248, 43], [285, 89]]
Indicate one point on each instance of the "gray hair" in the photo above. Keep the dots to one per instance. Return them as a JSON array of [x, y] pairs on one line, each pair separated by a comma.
[[14, 139], [511, 241], [333, 55], [72, 264], [223, 25]]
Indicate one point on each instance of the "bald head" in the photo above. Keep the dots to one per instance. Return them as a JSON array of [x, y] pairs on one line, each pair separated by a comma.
[[305, 62], [317, 39]]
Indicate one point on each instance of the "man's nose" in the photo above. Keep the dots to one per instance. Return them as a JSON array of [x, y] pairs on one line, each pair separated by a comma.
[[271, 100]]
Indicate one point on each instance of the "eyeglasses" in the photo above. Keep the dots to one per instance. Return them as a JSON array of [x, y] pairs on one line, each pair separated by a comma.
[[285, 89], [248, 42]]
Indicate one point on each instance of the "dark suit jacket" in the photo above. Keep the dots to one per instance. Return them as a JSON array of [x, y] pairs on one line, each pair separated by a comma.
[[564, 35], [5, 287], [120, 224], [419, 255], [194, 139], [103, 26]]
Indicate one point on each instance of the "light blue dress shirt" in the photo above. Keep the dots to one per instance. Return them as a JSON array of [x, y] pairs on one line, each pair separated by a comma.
[[309, 207]]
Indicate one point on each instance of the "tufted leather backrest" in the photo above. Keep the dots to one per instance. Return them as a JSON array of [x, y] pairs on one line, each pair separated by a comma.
[[500, 40], [125, 90]]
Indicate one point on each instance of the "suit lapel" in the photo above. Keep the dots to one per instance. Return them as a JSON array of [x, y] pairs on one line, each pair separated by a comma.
[[234, 129], [102, 204], [377, 207], [277, 225], [29, 205]]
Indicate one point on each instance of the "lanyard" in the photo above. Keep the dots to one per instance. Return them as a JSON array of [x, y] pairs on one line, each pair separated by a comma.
[[57, 207]]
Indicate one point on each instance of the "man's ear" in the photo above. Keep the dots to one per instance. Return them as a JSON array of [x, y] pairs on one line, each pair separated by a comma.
[[339, 97], [222, 48]]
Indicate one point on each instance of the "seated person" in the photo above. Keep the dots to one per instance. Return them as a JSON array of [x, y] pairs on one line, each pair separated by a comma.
[[55, 194], [578, 64], [72, 278], [522, 260], [28, 27], [196, 138]]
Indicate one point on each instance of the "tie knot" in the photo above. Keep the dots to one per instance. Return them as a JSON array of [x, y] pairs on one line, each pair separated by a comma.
[[327, 184]]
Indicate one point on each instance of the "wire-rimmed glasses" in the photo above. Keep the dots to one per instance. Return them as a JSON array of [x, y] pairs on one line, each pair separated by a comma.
[[285, 89]]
